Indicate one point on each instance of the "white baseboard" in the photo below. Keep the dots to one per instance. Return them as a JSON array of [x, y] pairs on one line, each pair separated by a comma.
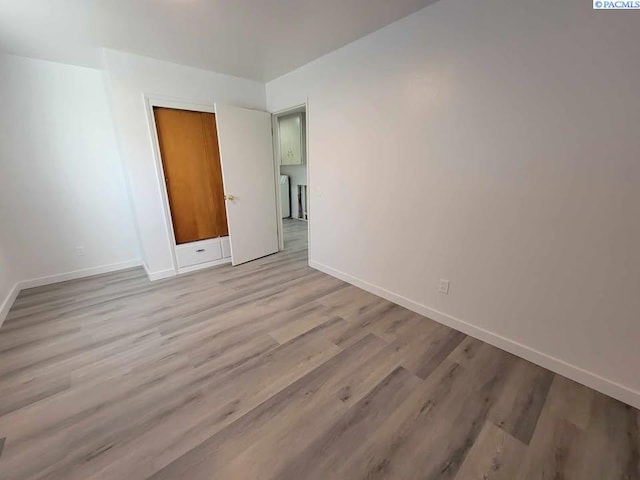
[[200, 266], [75, 274], [5, 306], [160, 274], [170, 272], [580, 375], [60, 277]]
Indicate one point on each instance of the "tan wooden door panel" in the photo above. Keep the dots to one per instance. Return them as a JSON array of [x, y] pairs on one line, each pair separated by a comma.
[[191, 162]]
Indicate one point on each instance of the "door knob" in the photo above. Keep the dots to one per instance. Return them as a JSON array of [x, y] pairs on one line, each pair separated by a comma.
[[229, 197]]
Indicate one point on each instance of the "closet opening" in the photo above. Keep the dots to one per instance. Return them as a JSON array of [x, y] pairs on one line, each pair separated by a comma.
[[190, 156], [215, 169]]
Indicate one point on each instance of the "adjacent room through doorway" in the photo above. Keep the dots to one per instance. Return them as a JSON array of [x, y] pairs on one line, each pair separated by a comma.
[[291, 157]]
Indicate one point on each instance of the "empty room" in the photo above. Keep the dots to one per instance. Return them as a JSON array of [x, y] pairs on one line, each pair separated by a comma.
[[317, 240]]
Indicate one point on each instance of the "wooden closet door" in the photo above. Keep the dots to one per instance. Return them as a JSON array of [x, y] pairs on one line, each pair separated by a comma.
[[191, 162]]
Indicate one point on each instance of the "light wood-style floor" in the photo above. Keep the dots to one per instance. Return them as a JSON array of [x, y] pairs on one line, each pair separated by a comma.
[[272, 370]]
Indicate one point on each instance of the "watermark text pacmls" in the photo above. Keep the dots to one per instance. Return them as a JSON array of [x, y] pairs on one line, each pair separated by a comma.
[[616, 4]]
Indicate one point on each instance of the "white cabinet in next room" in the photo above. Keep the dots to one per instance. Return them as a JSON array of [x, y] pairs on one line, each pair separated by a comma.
[[290, 139]]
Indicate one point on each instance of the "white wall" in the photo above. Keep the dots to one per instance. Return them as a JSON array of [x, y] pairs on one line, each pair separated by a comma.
[[494, 144], [61, 179], [130, 78]]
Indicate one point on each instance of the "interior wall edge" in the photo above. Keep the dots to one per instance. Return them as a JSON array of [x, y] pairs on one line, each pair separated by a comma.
[[603, 385], [160, 274], [7, 303], [106, 83]]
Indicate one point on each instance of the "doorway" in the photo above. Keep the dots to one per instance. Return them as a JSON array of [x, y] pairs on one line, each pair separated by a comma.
[[290, 139]]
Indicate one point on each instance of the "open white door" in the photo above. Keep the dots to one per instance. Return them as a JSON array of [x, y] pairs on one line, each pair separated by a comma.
[[246, 156]]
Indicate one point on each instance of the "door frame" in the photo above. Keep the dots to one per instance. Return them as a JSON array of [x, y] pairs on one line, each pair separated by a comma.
[[301, 107], [151, 101]]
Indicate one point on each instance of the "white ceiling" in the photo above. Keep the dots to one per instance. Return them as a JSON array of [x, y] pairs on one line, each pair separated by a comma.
[[258, 39]]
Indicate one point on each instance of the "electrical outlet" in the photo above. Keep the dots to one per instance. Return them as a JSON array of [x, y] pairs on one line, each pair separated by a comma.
[[80, 251], [443, 286]]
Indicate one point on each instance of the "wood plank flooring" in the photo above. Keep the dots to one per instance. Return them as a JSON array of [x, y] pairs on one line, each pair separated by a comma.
[[272, 370]]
